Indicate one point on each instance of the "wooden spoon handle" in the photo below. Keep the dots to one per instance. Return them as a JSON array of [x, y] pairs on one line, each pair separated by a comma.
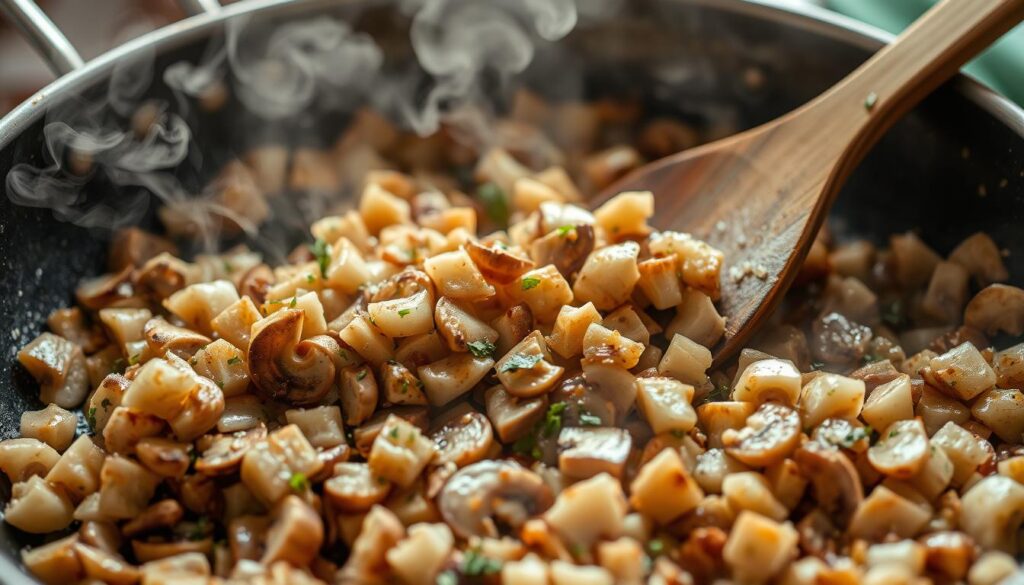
[[858, 110]]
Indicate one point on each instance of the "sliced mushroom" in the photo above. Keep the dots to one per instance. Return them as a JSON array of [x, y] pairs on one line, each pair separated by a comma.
[[462, 436], [902, 449], [283, 366], [114, 289], [566, 249], [498, 264], [513, 417], [20, 459], [843, 433], [358, 393], [59, 367], [769, 436], [459, 328], [164, 457], [586, 452], [998, 307], [451, 377], [162, 337], [225, 453], [255, 283], [837, 486], [295, 535], [400, 386], [162, 276], [479, 497], [163, 514], [353, 488]]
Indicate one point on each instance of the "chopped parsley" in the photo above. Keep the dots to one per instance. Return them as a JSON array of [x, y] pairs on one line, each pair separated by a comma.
[[310, 278], [530, 282], [404, 312], [295, 301], [482, 348], [655, 546], [361, 374], [298, 482], [870, 101], [893, 433], [90, 418], [322, 251], [227, 266], [553, 419], [520, 361], [133, 359], [855, 436], [234, 360], [448, 577], [565, 230], [495, 203], [474, 564], [394, 433], [589, 420]]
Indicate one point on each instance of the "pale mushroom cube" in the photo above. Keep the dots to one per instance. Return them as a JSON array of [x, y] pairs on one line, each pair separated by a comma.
[[125, 325], [758, 548], [981, 257], [404, 316], [912, 260], [962, 372], [54, 562], [991, 513], [368, 341], [418, 558], [715, 418], [902, 449], [963, 448], [631, 324], [22, 458], [886, 512], [624, 558], [749, 490], [526, 370], [456, 276], [698, 319], [354, 487], [608, 276], [380, 208], [544, 290], [767, 380], [279, 464], [934, 476], [78, 470], [234, 323], [605, 346], [659, 281], [38, 507], [586, 452], [1009, 367], [712, 467], [125, 487], [528, 571], [1000, 410], [462, 330], [626, 214], [570, 326], [127, 426], [889, 403], [321, 425], [589, 510], [400, 452], [831, 396], [379, 532], [52, 425], [700, 265], [451, 377], [199, 303], [666, 404], [105, 399], [160, 388], [663, 490], [513, 417], [346, 268], [225, 364], [685, 361], [59, 367]]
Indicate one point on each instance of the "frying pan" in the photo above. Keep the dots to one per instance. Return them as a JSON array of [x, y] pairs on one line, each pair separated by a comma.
[[954, 166]]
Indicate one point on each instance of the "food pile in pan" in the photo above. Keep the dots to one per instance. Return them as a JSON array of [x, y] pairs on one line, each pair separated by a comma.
[[471, 377]]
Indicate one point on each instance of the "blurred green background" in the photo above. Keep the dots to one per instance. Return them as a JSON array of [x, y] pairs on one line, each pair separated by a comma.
[[1002, 66]]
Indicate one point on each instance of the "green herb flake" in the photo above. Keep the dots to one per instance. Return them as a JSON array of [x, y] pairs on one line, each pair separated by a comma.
[[404, 312], [234, 360], [565, 230], [405, 386], [394, 433], [90, 418], [495, 203], [227, 266], [482, 348], [361, 374], [870, 101], [134, 359], [474, 564], [655, 546], [520, 361], [448, 577], [295, 301], [893, 433], [855, 436], [310, 278], [298, 482], [322, 251], [530, 282], [553, 419], [589, 420]]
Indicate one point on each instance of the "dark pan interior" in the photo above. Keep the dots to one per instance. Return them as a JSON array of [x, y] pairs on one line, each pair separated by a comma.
[[953, 167]]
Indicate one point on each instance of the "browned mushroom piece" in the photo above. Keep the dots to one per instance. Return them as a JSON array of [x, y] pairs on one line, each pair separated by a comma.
[[818, 534], [105, 566], [404, 284], [462, 436], [295, 535], [224, 454], [836, 339], [585, 452], [59, 367], [255, 283], [358, 393], [567, 251], [513, 417], [162, 276], [157, 549], [102, 535], [365, 434], [512, 327], [582, 397], [353, 487], [768, 436], [875, 374], [284, 366], [162, 337], [132, 247], [498, 264], [105, 290], [459, 328], [400, 386], [127, 426], [164, 457], [949, 553], [997, 307], [480, 499], [837, 486], [71, 324], [163, 514]]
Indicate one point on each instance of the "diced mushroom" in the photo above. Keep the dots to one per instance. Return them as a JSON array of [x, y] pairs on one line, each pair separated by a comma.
[[162, 337], [1003, 412], [380, 532], [461, 436], [127, 426], [198, 304], [295, 535], [586, 452], [354, 488], [947, 292], [608, 276], [526, 370], [105, 290], [512, 326], [981, 257], [749, 490], [272, 466], [400, 451], [53, 425], [451, 377], [358, 393], [78, 470], [418, 559], [513, 417], [886, 512], [837, 485], [282, 365], [570, 327], [459, 328], [162, 276], [605, 346], [38, 507], [759, 547], [912, 260], [163, 514], [768, 380], [482, 496], [998, 307], [697, 319], [106, 567], [685, 361], [54, 563], [836, 339], [544, 290], [902, 449], [400, 386], [20, 459], [225, 452], [961, 372], [666, 404], [663, 489], [71, 324], [770, 434], [164, 457], [991, 513], [59, 367], [125, 487], [830, 396], [566, 248]]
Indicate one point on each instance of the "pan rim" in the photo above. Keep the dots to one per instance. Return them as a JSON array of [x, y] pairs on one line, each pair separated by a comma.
[[811, 18]]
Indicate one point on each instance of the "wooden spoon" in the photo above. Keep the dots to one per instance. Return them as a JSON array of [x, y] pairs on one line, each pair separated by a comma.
[[761, 196]]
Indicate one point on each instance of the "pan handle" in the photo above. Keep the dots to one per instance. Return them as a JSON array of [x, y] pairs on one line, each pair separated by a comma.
[[51, 44]]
